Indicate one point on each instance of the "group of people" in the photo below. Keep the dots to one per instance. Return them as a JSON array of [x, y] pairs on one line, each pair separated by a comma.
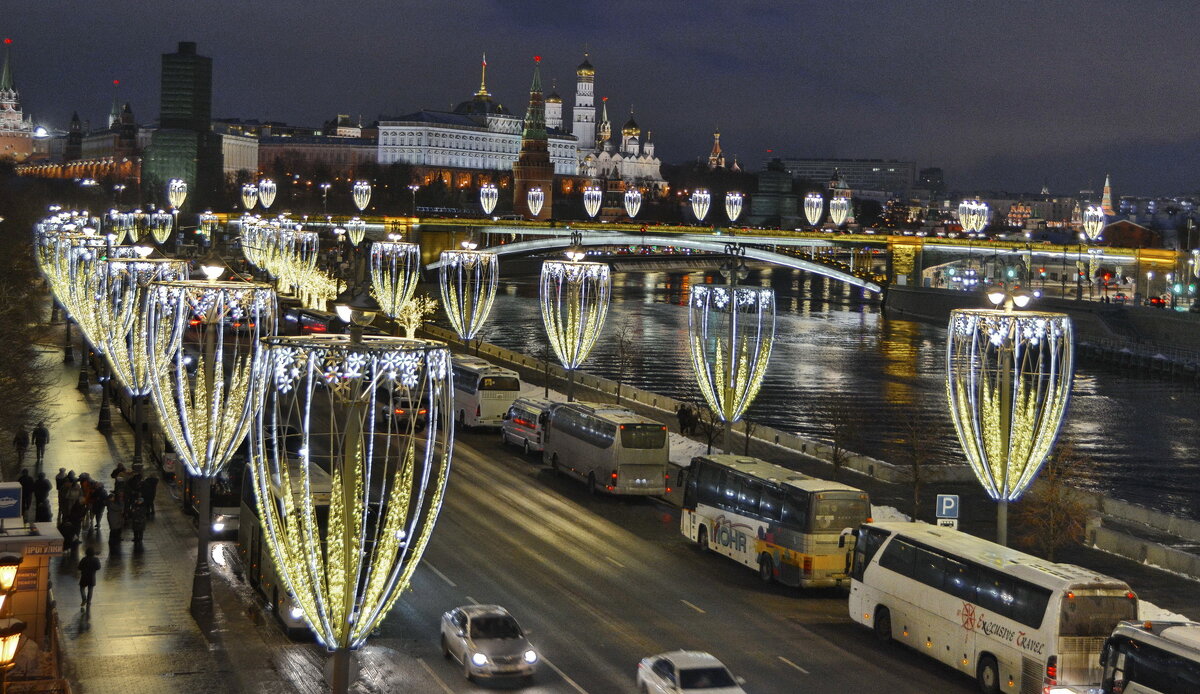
[[40, 436], [83, 503], [689, 419]]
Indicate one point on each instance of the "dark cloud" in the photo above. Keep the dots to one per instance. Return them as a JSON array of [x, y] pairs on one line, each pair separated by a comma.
[[1002, 95]]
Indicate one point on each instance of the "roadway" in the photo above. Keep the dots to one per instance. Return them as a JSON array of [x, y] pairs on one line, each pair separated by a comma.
[[601, 583]]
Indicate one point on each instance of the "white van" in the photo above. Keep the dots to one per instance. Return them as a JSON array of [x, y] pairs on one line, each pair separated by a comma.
[[524, 424]]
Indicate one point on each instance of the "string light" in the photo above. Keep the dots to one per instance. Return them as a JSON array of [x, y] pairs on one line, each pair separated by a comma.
[[574, 300], [395, 272], [468, 280], [731, 330]]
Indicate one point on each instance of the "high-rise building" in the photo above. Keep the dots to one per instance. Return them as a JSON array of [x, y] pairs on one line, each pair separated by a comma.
[[16, 131], [184, 145], [533, 168], [584, 128], [861, 174]]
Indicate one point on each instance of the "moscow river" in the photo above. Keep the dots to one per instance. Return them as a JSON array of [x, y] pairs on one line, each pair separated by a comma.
[[837, 355]]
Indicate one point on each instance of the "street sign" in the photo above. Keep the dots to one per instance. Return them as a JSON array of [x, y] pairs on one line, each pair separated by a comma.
[[951, 523], [10, 500], [947, 506]]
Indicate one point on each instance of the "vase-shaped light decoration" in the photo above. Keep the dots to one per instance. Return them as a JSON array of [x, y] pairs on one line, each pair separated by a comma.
[[84, 256], [249, 196], [731, 330], [488, 197], [733, 206], [177, 190], [266, 193], [535, 198], [592, 197], [701, 199], [1008, 382], [814, 205], [356, 230], [973, 216], [296, 256], [123, 317], [839, 210], [161, 225], [349, 491], [574, 299], [633, 202], [468, 281], [1093, 222], [395, 272], [362, 194]]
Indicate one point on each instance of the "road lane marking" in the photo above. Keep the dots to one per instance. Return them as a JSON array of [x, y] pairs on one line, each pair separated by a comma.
[[443, 685], [563, 675], [685, 602], [441, 575], [471, 600], [614, 561], [793, 665]]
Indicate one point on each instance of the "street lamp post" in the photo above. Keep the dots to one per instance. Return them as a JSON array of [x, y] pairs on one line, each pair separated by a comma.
[[325, 198], [10, 640], [414, 188]]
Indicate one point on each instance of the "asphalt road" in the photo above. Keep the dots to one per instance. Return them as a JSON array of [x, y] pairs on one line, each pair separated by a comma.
[[601, 583]]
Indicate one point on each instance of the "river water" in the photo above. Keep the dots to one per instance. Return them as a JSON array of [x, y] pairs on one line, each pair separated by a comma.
[[838, 358]]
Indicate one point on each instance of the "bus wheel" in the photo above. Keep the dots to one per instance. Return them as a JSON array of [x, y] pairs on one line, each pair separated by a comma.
[[883, 624], [702, 538], [766, 568], [592, 484], [988, 675], [445, 648], [462, 419], [554, 463], [526, 446]]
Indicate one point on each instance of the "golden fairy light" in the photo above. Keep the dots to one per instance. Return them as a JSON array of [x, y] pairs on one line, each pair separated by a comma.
[[395, 272], [352, 454], [574, 299], [468, 281]]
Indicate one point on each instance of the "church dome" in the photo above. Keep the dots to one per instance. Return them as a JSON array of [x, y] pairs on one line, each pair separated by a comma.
[[554, 98], [585, 68], [631, 128], [481, 106]]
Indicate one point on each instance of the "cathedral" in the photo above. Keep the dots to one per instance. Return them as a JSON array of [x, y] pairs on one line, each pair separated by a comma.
[[626, 157], [16, 130]]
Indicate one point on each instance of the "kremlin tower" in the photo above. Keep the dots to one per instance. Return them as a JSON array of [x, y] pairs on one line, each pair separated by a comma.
[[1106, 201], [16, 131], [533, 167]]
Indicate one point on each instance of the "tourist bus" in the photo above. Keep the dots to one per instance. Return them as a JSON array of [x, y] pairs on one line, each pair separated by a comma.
[[1157, 657], [257, 564], [609, 447], [483, 392], [792, 528], [1015, 622]]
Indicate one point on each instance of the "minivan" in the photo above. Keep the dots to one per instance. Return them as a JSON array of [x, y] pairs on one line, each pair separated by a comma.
[[524, 424]]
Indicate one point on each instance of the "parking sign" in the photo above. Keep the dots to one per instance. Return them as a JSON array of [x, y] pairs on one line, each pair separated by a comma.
[[947, 506]]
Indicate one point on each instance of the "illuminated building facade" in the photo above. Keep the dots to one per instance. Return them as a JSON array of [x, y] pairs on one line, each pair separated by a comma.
[[16, 130], [861, 174]]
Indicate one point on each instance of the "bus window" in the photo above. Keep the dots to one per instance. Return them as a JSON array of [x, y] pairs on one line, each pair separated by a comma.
[[834, 513], [499, 383], [899, 557], [868, 543], [730, 488], [1094, 615], [748, 498], [643, 436], [929, 568], [770, 504], [708, 484], [1029, 604], [960, 580], [995, 592]]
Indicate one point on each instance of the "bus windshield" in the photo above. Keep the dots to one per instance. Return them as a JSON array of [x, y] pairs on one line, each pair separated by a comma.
[[836, 511], [499, 383], [643, 435], [1094, 615]]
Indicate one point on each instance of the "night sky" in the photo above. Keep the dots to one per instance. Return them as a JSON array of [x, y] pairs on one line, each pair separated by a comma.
[[1002, 95]]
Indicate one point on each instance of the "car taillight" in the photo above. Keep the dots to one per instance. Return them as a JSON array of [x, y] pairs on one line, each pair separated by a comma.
[[808, 566], [614, 475], [1052, 670], [399, 411], [477, 410]]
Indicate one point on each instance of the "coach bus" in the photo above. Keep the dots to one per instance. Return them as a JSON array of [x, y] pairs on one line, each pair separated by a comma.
[[610, 448], [1157, 657], [791, 527], [483, 392], [1015, 622]]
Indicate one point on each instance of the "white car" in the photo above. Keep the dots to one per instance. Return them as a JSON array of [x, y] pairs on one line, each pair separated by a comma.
[[686, 671], [488, 642]]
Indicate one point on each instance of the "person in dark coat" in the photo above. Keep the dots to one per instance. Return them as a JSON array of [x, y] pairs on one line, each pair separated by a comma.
[[41, 495], [116, 517], [99, 502], [21, 443], [137, 519], [41, 437], [60, 479], [26, 492], [149, 490], [88, 566]]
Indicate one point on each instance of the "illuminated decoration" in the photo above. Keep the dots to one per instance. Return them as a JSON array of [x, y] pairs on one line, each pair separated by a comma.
[[1195, 265], [592, 197], [84, 255], [839, 209], [814, 204], [356, 230], [206, 381], [177, 190], [249, 196], [395, 272], [266, 193], [295, 256], [633, 202], [10, 642], [973, 216], [362, 194], [701, 199], [208, 223], [1093, 222], [1008, 381], [535, 199], [488, 197], [733, 206], [318, 289], [349, 485], [468, 281], [730, 333], [574, 298], [160, 225]]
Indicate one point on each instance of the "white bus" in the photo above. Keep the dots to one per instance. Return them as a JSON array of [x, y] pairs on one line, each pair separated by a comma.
[[1152, 658], [1015, 622], [609, 447], [791, 527], [483, 392]]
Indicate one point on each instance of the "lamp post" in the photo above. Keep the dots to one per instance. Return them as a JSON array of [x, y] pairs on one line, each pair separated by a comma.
[[733, 206], [385, 476], [1008, 382], [701, 199], [325, 197], [10, 640], [574, 299], [592, 197], [413, 188], [468, 280], [488, 197], [203, 337], [814, 204], [633, 202]]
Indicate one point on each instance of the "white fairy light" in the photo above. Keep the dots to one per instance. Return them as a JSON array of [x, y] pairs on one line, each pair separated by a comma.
[[574, 299], [395, 272], [468, 280]]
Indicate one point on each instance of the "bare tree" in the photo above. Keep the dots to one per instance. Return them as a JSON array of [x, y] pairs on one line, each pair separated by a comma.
[[624, 357], [749, 434], [544, 354], [917, 448], [1053, 513], [709, 423], [843, 428]]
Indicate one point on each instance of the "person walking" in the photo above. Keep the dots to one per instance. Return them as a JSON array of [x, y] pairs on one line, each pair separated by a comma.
[[88, 566], [116, 517], [137, 520], [69, 497], [41, 437], [149, 491], [21, 443], [26, 493], [60, 479], [98, 504], [41, 495]]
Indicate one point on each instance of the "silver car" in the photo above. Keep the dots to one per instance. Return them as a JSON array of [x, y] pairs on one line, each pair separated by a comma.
[[686, 671], [488, 642]]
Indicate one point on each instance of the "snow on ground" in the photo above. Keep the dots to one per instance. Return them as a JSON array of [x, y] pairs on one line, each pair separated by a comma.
[[888, 513], [1148, 610]]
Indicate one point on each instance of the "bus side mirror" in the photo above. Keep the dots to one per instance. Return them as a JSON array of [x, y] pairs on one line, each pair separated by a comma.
[[842, 537], [506, 416]]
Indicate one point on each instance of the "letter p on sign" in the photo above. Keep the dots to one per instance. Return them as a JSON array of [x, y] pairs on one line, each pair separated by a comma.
[[947, 506]]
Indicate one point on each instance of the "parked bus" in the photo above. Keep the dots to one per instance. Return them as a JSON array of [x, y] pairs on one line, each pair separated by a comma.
[[483, 392], [609, 447], [224, 495], [792, 528], [1152, 658], [1015, 622]]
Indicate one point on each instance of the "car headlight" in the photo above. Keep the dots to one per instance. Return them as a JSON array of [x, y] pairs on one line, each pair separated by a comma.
[[530, 656], [218, 527], [479, 659]]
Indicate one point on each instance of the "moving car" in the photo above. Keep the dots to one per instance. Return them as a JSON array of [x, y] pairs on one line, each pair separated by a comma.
[[488, 642], [686, 671]]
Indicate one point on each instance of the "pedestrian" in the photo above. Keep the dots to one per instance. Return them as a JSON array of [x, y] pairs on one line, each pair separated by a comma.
[[88, 566], [21, 443], [681, 413], [26, 493], [149, 491], [41, 495], [60, 479], [116, 517], [98, 504], [69, 497], [118, 472], [41, 437], [137, 520]]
